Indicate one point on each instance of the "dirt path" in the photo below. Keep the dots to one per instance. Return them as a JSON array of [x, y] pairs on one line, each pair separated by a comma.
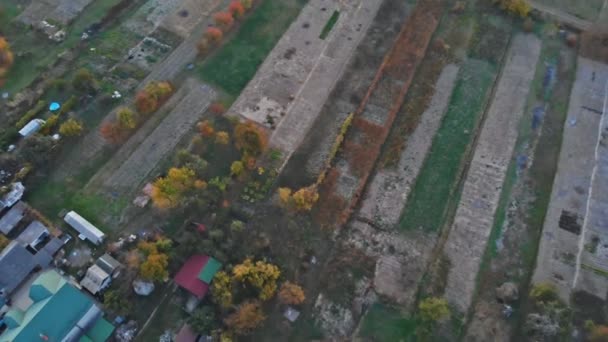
[[474, 216]]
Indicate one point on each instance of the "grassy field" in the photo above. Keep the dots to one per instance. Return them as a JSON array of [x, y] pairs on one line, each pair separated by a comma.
[[38, 52], [237, 61], [383, 323], [584, 9], [433, 188]]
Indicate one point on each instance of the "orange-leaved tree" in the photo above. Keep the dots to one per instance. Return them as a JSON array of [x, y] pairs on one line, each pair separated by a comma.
[[250, 138], [168, 192], [206, 128], [236, 8], [111, 132], [214, 35], [291, 294], [247, 317], [155, 267], [223, 20], [152, 96], [6, 59]]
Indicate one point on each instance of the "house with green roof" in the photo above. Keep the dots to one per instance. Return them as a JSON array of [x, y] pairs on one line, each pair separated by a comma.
[[196, 274], [59, 312]]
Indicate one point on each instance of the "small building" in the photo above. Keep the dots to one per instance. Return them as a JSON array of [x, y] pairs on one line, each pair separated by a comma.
[[16, 265], [196, 274], [85, 228], [59, 312], [100, 275], [11, 219], [13, 196], [33, 235], [31, 127]]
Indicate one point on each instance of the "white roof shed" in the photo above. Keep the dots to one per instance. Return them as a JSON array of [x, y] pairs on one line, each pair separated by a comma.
[[32, 127], [84, 227]]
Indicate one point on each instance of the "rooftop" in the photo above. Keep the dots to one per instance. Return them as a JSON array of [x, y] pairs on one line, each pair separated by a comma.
[[17, 263], [32, 234], [197, 273], [9, 221]]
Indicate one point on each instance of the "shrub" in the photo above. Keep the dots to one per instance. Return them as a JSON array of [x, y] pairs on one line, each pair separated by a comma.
[[71, 128], [214, 35], [50, 123], [543, 293], [433, 309], [517, 7], [237, 9], [237, 168], [247, 317], [68, 105], [203, 46], [217, 108], [126, 119], [30, 114], [152, 96], [111, 132], [206, 128], [291, 294], [223, 20], [84, 81], [222, 138]]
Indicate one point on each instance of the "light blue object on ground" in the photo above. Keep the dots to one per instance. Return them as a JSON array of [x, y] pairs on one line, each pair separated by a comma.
[[54, 106]]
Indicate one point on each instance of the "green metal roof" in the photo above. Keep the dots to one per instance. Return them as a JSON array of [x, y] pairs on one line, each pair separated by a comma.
[[209, 270], [53, 317], [100, 332]]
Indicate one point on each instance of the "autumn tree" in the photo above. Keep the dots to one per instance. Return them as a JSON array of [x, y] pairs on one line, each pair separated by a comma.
[[71, 128], [152, 96], [433, 309], [155, 267], [518, 7], [84, 81], [247, 317], [599, 333], [261, 275], [301, 200], [221, 289], [206, 128], [237, 9], [111, 132], [222, 138], [247, 3], [214, 35], [126, 119], [167, 192], [50, 124], [291, 294], [217, 108], [6, 59], [3, 242], [224, 20], [250, 139], [237, 168]]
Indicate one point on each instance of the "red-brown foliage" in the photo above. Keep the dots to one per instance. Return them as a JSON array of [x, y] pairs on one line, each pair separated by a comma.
[[371, 132], [111, 132], [206, 129], [236, 8], [214, 35], [217, 108], [223, 20], [145, 102]]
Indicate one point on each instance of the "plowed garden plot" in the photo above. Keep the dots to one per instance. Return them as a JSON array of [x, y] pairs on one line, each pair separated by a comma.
[[362, 146], [308, 160]]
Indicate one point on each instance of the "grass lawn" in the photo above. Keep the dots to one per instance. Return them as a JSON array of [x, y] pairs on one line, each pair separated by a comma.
[[384, 324], [237, 61], [433, 188], [168, 316]]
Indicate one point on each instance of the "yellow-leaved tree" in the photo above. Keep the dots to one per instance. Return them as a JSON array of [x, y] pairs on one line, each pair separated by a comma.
[[221, 289], [167, 192], [261, 275], [247, 317], [291, 294]]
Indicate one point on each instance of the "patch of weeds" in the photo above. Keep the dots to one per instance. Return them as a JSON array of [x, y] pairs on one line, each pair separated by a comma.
[[383, 323], [329, 25]]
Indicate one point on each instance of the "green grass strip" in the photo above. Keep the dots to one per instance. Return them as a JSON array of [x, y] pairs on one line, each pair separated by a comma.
[[434, 186], [237, 61], [330, 25], [383, 323]]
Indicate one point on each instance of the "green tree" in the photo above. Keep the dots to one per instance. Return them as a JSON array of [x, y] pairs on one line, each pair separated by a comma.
[[126, 118], [71, 128], [433, 309], [117, 302], [84, 81], [203, 320]]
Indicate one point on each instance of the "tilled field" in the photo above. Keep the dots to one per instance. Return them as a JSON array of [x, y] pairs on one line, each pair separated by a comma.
[[471, 229]]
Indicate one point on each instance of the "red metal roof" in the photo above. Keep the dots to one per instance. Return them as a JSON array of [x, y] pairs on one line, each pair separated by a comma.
[[187, 277]]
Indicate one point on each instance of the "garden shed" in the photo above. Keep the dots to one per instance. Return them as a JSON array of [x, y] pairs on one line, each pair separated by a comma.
[[86, 229]]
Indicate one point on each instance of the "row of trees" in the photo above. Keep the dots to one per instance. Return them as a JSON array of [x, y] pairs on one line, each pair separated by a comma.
[[224, 21], [6, 59], [127, 120]]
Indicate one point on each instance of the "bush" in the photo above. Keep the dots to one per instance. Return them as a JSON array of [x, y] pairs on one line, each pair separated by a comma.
[[50, 123], [214, 35], [84, 81], [543, 293], [68, 105], [152, 96], [126, 119], [203, 46], [223, 20], [30, 114], [250, 139], [237, 9], [71, 128], [517, 7]]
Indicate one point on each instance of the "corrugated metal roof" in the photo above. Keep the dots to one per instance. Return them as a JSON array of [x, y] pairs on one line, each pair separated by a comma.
[[9, 221], [84, 227], [33, 233], [209, 270]]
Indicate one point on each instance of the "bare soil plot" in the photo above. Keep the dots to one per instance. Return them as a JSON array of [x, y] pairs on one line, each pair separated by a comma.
[[157, 146], [149, 16], [186, 17], [348, 177], [469, 234], [294, 82], [53, 11], [389, 189], [586, 10], [557, 260], [517, 227], [308, 160]]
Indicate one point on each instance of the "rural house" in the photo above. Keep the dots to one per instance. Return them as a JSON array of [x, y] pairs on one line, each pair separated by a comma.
[[196, 274], [100, 275]]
